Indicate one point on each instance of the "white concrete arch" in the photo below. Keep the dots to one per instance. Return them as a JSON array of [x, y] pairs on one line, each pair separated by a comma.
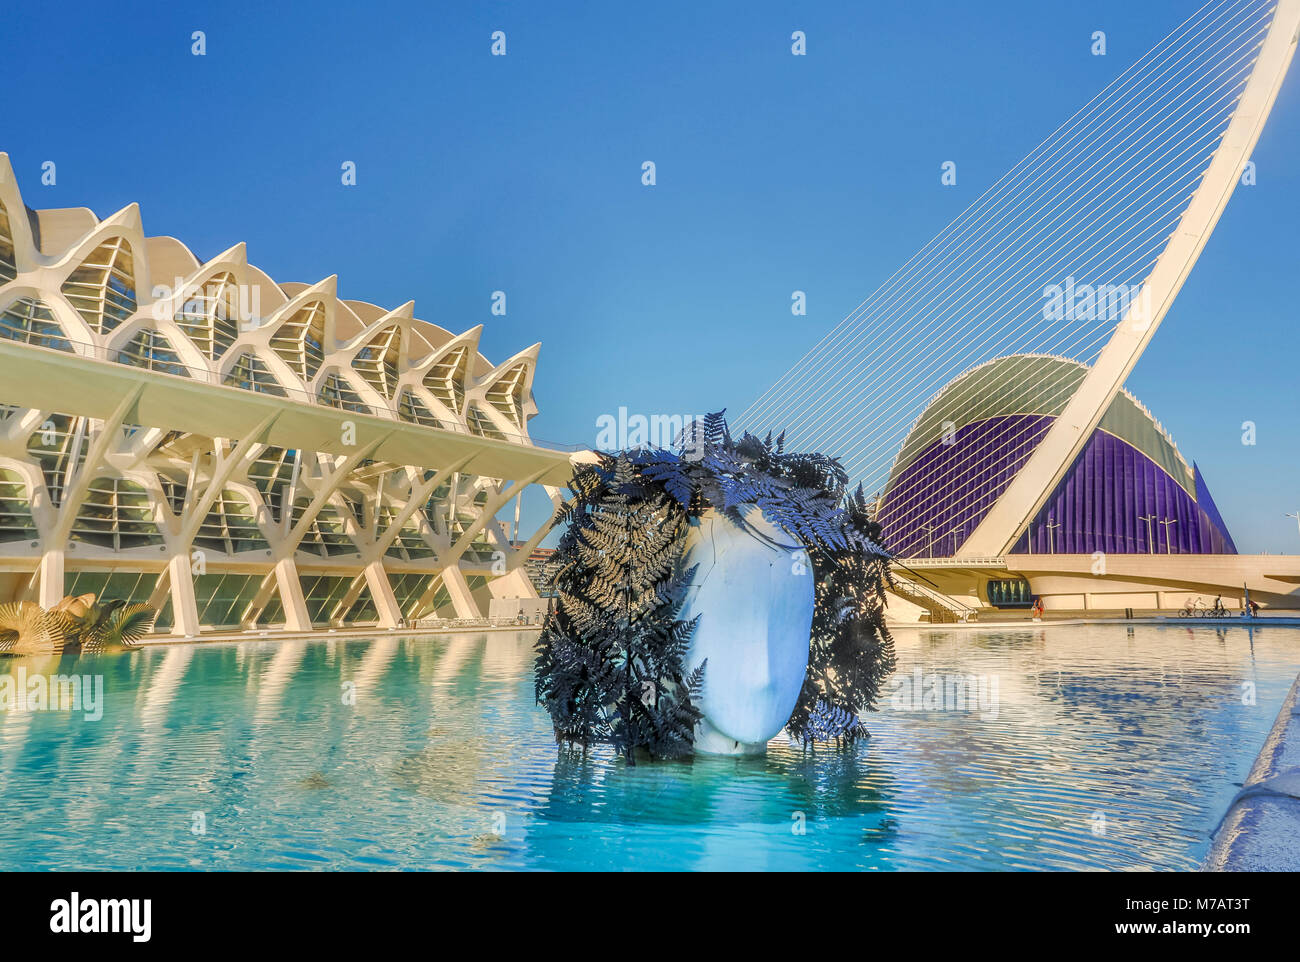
[[523, 367], [26, 257], [465, 344]]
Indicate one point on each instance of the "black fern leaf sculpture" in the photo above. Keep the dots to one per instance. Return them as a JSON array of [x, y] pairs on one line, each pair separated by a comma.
[[850, 653], [828, 722], [611, 657]]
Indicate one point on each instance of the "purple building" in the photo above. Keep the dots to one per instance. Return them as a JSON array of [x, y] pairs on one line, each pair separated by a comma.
[[1129, 491]]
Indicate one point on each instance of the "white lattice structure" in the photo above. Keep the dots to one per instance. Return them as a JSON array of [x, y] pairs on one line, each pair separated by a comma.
[[241, 452]]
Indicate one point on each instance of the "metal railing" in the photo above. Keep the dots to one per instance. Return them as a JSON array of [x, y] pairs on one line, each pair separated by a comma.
[[943, 609], [955, 562]]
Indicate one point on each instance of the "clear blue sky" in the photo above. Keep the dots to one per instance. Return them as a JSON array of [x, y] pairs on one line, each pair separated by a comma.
[[775, 173]]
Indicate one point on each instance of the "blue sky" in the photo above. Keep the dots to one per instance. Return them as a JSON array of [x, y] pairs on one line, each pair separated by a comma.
[[523, 173]]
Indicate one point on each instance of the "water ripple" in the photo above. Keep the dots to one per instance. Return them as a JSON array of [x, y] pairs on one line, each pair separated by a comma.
[[1109, 749]]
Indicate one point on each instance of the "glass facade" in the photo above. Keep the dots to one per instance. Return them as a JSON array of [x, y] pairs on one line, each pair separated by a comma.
[[210, 316], [481, 424], [1009, 593], [52, 447], [223, 600], [327, 535], [336, 392], [31, 322], [230, 527], [102, 288], [411, 408], [300, 341], [116, 513], [325, 594], [507, 394], [251, 373], [16, 522], [446, 379], [377, 361], [133, 587], [272, 471], [152, 351]]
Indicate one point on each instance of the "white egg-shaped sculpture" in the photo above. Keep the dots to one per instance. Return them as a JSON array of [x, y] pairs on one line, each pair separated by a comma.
[[755, 598]]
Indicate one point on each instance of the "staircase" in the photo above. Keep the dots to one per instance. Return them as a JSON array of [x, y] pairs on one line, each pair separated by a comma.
[[943, 609]]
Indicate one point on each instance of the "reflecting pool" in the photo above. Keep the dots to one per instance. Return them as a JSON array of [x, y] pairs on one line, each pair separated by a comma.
[[1081, 747]]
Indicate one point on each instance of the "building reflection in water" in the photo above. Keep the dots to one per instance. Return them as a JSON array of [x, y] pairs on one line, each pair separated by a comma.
[[442, 759]]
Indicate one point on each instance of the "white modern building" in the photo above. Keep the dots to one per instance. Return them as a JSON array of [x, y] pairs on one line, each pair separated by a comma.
[[241, 452]]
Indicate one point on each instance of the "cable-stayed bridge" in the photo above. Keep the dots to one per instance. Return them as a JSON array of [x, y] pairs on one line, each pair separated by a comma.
[[1076, 254]]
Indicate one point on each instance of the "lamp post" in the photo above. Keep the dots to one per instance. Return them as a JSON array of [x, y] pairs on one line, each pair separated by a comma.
[[1295, 515], [1167, 522], [1051, 542], [1148, 518], [954, 532], [929, 535]]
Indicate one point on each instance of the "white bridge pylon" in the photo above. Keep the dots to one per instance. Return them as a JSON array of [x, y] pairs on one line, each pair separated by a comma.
[[1118, 201], [1064, 441]]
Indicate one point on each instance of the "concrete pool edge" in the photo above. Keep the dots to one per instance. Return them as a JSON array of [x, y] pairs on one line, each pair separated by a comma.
[[374, 631], [327, 634], [1273, 621], [1260, 832]]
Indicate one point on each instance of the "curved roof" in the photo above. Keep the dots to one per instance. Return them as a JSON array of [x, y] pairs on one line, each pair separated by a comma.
[[104, 288], [1039, 384]]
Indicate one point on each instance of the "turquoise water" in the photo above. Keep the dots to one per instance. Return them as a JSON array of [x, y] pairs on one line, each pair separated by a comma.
[[1110, 749]]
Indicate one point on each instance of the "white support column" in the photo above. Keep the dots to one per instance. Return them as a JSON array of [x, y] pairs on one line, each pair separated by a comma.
[[524, 550], [50, 589], [382, 594], [487, 515], [185, 610], [330, 483], [419, 495], [161, 590], [453, 579], [223, 468], [50, 579], [296, 617]]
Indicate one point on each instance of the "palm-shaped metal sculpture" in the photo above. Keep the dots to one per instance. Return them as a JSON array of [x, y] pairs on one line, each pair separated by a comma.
[[103, 627], [80, 623], [28, 629]]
